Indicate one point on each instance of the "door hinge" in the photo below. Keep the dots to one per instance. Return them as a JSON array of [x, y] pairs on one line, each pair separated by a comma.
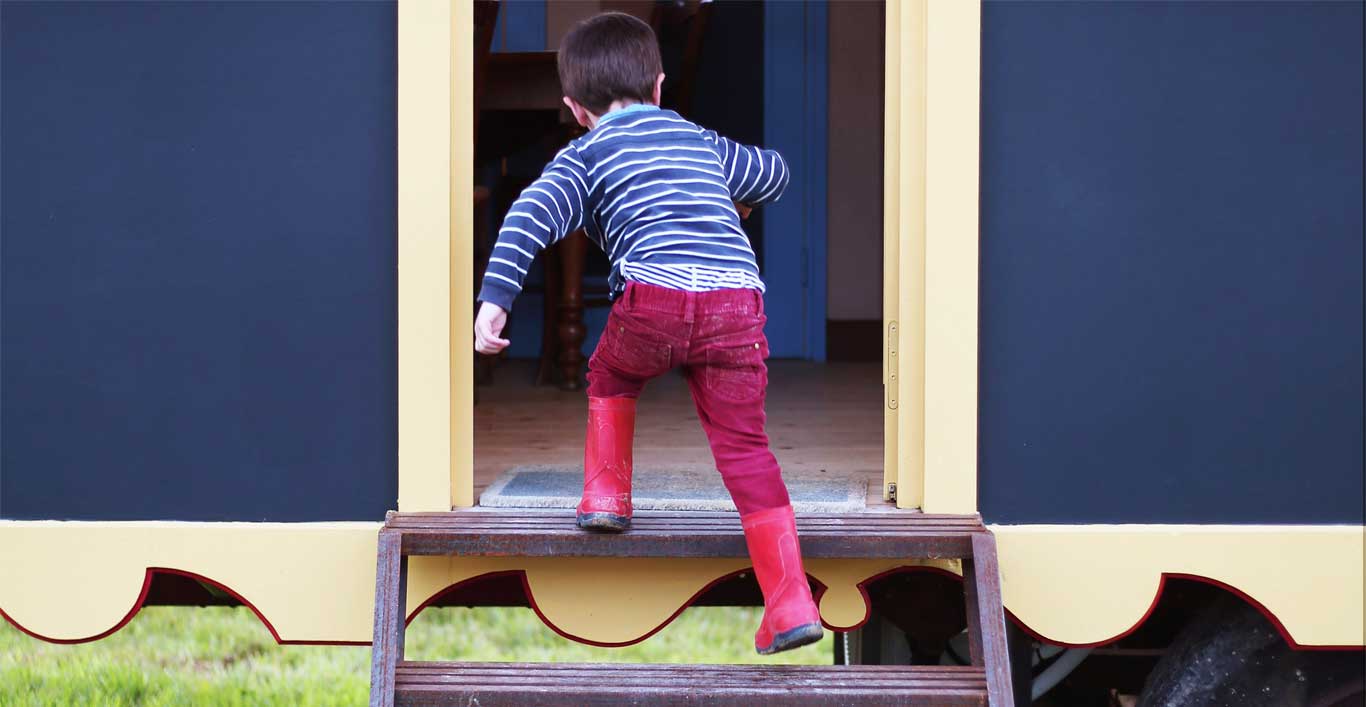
[[892, 383], [891, 492]]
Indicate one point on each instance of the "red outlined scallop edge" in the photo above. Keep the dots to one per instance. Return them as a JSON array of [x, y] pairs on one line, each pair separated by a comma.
[[142, 596], [531, 599], [1152, 606], [820, 590]]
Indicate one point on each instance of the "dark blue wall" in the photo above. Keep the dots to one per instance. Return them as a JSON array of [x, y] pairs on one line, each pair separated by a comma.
[[199, 253], [1171, 272]]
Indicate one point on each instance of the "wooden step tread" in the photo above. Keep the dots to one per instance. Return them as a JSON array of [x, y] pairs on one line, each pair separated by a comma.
[[557, 516], [534, 533], [485, 684]]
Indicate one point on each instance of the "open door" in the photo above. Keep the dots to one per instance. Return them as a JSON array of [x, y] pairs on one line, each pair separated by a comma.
[[903, 256]]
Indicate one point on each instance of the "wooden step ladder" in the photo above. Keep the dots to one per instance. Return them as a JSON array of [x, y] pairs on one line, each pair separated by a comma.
[[538, 533]]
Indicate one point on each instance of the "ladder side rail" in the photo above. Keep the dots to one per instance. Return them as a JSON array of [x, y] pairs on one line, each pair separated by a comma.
[[991, 621], [974, 613], [391, 594]]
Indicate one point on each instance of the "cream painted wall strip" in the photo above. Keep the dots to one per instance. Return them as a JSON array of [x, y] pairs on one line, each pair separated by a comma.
[[953, 80], [462, 255], [424, 255]]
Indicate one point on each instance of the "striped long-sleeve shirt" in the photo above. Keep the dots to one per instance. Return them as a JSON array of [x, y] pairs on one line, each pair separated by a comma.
[[655, 192]]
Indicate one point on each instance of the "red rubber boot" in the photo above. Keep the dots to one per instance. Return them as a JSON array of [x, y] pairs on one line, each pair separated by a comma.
[[791, 618], [606, 503]]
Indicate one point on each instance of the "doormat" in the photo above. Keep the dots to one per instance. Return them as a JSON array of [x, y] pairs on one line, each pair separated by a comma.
[[670, 489]]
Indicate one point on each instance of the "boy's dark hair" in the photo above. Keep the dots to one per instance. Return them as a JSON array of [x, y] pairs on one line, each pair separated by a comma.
[[609, 57]]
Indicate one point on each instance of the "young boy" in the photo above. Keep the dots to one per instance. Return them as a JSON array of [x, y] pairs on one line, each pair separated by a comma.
[[658, 194]]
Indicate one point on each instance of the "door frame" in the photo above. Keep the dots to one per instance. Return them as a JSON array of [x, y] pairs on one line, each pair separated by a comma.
[[930, 254], [435, 234]]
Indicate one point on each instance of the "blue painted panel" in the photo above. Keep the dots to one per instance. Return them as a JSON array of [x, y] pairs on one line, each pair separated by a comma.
[[198, 317], [524, 326], [520, 26], [795, 76], [1171, 288], [816, 113]]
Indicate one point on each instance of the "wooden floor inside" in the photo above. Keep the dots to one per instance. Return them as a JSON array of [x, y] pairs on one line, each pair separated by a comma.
[[824, 417]]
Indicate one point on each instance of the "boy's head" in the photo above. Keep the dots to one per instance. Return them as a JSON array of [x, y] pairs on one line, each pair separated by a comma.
[[607, 58]]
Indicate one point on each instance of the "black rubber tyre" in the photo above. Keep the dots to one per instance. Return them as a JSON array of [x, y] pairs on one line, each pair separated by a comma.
[[1232, 656]]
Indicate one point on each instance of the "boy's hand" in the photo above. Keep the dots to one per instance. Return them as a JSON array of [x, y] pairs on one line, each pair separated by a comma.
[[743, 209], [487, 326]]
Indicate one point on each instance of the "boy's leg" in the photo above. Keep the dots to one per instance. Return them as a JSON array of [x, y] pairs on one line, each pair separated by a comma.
[[607, 465], [629, 353], [728, 379], [617, 372]]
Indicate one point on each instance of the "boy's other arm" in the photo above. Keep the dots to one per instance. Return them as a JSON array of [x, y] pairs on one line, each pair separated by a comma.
[[754, 175], [547, 211]]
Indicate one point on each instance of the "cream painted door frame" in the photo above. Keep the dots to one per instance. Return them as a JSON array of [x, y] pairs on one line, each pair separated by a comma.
[[930, 254], [435, 226], [933, 69]]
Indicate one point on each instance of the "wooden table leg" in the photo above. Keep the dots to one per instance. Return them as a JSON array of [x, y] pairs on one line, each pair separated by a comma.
[[570, 327]]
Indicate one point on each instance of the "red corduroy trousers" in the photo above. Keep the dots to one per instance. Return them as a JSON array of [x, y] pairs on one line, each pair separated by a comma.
[[717, 338]]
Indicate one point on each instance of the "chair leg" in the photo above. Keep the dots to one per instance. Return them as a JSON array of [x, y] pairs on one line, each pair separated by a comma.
[[391, 593], [573, 250]]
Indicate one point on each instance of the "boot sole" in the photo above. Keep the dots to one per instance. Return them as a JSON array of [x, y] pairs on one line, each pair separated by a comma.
[[603, 521], [793, 638]]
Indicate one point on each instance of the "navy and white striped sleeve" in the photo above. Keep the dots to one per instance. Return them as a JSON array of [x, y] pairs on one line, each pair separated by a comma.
[[753, 174], [547, 211]]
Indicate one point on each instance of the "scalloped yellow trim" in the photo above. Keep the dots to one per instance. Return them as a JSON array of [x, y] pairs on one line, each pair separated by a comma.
[[1082, 584], [314, 582]]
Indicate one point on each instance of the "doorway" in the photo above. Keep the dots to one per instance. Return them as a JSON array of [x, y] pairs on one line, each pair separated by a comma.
[[813, 89], [930, 266]]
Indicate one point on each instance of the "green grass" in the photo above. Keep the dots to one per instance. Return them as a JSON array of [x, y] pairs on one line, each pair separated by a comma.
[[225, 656]]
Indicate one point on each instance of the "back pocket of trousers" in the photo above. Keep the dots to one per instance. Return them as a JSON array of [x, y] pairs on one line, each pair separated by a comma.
[[736, 373], [635, 354]]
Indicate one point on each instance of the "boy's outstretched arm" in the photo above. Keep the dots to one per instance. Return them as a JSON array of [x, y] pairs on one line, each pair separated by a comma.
[[754, 175], [547, 211]]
